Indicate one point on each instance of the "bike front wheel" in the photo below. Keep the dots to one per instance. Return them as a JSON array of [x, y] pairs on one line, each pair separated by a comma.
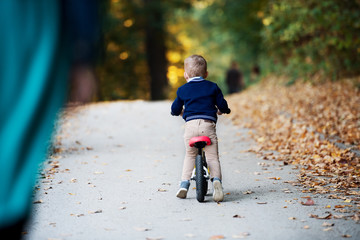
[[201, 182]]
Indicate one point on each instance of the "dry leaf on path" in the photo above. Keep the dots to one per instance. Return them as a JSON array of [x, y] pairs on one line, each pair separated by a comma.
[[241, 235], [309, 202], [328, 216], [215, 237], [140, 229], [326, 224], [97, 211], [248, 192]]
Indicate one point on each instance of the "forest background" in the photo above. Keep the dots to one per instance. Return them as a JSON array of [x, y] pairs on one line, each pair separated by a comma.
[[144, 42]]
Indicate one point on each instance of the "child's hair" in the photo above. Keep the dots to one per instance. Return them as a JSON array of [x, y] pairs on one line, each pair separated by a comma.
[[195, 65]]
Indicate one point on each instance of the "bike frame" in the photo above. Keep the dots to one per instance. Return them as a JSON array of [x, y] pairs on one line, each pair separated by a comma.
[[206, 170]]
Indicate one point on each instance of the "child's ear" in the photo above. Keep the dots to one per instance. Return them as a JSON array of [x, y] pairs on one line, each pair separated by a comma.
[[186, 76], [206, 74]]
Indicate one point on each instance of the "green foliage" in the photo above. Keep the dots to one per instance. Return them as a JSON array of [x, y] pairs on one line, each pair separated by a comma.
[[297, 38], [310, 37], [221, 31]]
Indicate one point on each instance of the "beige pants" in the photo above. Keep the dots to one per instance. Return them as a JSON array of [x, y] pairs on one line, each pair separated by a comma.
[[200, 127]]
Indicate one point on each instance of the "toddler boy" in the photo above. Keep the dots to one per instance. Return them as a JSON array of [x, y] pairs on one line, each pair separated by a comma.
[[202, 101]]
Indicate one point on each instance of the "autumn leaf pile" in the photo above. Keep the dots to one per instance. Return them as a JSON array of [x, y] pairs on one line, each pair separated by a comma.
[[314, 126]]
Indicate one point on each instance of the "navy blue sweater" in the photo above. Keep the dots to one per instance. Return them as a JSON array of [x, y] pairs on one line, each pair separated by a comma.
[[201, 99]]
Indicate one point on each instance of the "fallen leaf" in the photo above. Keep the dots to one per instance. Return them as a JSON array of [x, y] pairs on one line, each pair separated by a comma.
[[215, 237], [139, 229], [97, 211], [162, 190], [292, 218], [275, 178], [306, 227], [237, 216], [38, 201], [154, 238], [309, 202], [339, 206], [323, 217], [326, 224], [346, 236], [77, 215], [122, 208], [327, 229], [241, 235], [248, 192]]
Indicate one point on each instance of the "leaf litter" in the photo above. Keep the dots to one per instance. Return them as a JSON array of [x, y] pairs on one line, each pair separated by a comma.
[[314, 127]]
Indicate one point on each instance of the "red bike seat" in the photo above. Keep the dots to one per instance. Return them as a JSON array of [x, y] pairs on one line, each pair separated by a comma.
[[194, 140]]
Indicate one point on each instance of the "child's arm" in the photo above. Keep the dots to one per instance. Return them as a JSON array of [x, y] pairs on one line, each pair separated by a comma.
[[177, 106], [221, 102]]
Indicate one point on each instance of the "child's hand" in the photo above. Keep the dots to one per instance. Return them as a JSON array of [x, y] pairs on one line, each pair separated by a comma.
[[182, 112], [219, 113]]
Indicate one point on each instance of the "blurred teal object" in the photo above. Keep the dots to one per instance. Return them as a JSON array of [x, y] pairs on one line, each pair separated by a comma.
[[33, 82]]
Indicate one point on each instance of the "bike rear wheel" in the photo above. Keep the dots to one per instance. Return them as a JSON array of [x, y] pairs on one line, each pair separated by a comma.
[[201, 182]]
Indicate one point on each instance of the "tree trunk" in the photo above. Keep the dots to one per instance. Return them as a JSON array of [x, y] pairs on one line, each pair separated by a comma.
[[155, 49]]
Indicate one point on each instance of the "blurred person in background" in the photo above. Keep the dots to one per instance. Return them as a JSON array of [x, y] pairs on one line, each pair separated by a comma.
[[42, 43], [255, 73], [234, 79]]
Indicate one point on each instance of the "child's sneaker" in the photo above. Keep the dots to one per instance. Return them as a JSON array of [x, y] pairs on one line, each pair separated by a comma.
[[218, 194], [184, 187]]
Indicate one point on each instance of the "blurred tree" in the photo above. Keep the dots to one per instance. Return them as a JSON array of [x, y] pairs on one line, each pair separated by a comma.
[[312, 37], [221, 31], [146, 41], [134, 63], [155, 48]]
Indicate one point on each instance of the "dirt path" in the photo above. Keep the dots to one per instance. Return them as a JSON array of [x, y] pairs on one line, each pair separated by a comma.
[[118, 170]]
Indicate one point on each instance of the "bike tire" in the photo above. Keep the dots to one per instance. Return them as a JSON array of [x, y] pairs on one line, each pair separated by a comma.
[[201, 183], [206, 182]]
